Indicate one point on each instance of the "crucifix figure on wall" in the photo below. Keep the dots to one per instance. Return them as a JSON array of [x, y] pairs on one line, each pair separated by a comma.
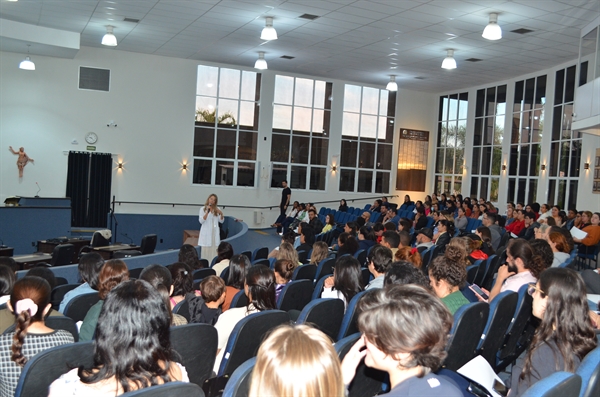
[[22, 160]]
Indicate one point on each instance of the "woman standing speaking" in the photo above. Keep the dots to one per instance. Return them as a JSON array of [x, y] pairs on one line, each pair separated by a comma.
[[210, 237]]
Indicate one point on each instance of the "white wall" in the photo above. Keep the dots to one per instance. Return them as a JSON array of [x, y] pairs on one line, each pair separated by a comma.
[[152, 101]]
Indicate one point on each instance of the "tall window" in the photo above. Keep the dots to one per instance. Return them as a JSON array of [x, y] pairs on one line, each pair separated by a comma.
[[367, 139], [300, 139], [565, 149], [525, 145], [226, 136], [452, 128], [490, 110]]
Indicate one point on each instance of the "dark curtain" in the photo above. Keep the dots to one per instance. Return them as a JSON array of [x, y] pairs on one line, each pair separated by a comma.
[[88, 185]]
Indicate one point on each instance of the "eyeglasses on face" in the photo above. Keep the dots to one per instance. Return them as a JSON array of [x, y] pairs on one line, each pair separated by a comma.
[[532, 288]]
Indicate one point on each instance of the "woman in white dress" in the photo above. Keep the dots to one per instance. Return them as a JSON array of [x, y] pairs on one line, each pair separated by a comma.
[[210, 237]]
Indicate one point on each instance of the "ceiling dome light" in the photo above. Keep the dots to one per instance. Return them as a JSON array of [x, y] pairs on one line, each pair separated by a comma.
[[269, 32], [260, 62], [449, 62], [492, 31], [392, 85], [27, 64], [109, 38]]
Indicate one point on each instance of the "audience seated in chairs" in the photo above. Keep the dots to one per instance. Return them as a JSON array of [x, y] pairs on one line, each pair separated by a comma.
[[287, 251], [486, 236], [7, 281], [297, 361], [89, 267], [315, 222], [288, 237], [542, 248], [30, 302], [591, 225], [405, 273], [410, 255], [390, 240], [142, 318], [260, 289], [284, 269], [347, 244], [320, 251], [307, 238], [565, 334], [346, 281], [189, 256], [366, 238], [447, 276], [379, 260], [183, 281], [224, 254], [405, 330], [206, 308], [113, 273], [160, 278], [238, 268]]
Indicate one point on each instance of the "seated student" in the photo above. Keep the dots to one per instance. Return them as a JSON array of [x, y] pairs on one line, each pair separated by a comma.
[[366, 238], [378, 229], [408, 254], [7, 280], [206, 308], [528, 232], [404, 224], [346, 281], [591, 225], [113, 273], [405, 238], [446, 231], [307, 239], [320, 251], [406, 203], [287, 251], [447, 276], [404, 333], [159, 277], [89, 267], [343, 206], [351, 228], [379, 259], [329, 223], [301, 353], [238, 268], [402, 272], [189, 256], [544, 250], [30, 302], [288, 237], [565, 334], [518, 224], [461, 220], [224, 254], [485, 235], [347, 244], [424, 237], [141, 316], [474, 248], [391, 240], [315, 222], [183, 283], [284, 270], [260, 290]]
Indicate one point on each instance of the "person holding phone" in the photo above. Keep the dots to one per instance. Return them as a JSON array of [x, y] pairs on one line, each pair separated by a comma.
[[210, 232]]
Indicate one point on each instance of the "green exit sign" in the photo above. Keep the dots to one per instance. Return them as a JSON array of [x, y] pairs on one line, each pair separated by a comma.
[[91, 148]]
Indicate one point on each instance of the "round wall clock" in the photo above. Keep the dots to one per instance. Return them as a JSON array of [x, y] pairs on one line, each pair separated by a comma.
[[91, 138]]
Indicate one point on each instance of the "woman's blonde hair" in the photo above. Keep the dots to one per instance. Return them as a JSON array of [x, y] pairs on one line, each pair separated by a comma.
[[320, 251], [287, 251], [297, 361], [208, 198]]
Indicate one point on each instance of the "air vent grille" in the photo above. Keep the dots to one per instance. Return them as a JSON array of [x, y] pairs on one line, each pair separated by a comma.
[[522, 31], [287, 57], [134, 20], [473, 60], [94, 79], [309, 16]]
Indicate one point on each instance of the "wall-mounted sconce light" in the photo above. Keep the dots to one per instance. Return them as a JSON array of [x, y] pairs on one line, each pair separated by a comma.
[[184, 166], [120, 166], [543, 167], [333, 168], [586, 166], [503, 167]]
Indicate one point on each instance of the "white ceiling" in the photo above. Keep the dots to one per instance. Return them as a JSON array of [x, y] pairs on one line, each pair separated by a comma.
[[361, 41]]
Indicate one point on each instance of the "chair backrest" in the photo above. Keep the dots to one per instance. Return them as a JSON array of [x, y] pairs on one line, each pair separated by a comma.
[[302, 256], [496, 261], [260, 253], [98, 240], [148, 244], [59, 292], [78, 307], [135, 273], [504, 240], [168, 389], [305, 272], [367, 381], [238, 384], [319, 287], [196, 345], [214, 261], [239, 300], [183, 309], [263, 261], [248, 254], [47, 366], [502, 309], [366, 275], [349, 324], [62, 255], [247, 336], [325, 314], [469, 322], [295, 295], [225, 274], [203, 273], [54, 322], [324, 268], [483, 269], [361, 256], [518, 324], [61, 281], [559, 384], [203, 263], [589, 370], [472, 271]]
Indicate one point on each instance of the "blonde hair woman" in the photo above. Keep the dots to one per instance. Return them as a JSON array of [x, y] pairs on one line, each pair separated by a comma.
[[297, 361], [210, 233], [320, 251], [287, 251]]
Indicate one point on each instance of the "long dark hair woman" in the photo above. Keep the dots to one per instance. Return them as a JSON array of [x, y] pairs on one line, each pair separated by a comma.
[[30, 302], [260, 289], [346, 281], [238, 268], [183, 282], [132, 349], [565, 334]]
